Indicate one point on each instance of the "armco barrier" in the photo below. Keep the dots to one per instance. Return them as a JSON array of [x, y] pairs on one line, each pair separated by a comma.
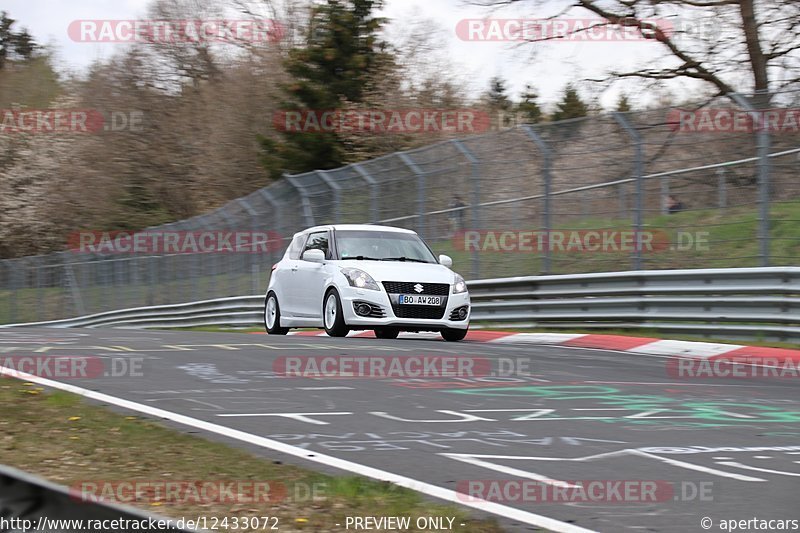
[[49, 508], [740, 303]]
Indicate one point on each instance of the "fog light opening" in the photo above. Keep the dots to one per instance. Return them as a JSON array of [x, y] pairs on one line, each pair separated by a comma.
[[363, 309], [462, 313]]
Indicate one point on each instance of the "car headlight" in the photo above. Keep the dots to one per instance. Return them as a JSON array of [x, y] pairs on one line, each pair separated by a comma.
[[360, 279], [460, 285]]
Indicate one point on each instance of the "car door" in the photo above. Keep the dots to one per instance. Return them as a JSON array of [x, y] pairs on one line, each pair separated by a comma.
[[288, 291], [310, 277]]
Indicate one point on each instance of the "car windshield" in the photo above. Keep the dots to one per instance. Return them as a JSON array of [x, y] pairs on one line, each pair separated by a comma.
[[383, 246]]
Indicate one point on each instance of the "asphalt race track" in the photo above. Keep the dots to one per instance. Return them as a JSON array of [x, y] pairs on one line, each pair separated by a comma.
[[718, 448]]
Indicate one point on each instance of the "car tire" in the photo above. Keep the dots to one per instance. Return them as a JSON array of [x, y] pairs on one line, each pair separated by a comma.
[[454, 335], [332, 315], [387, 333], [272, 315]]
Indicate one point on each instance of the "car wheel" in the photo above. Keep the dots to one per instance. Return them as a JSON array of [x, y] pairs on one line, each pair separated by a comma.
[[387, 333], [333, 318], [272, 316], [454, 335]]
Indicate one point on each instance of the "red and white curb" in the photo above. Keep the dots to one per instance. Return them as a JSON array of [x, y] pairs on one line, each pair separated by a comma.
[[620, 343]]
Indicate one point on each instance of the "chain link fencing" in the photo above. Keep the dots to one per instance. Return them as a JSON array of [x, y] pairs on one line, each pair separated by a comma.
[[655, 189]]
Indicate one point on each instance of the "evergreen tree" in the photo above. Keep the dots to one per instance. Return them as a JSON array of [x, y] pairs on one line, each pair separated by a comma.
[[571, 105], [623, 105], [499, 103], [497, 96], [14, 44], [529, 108], [341, 54]]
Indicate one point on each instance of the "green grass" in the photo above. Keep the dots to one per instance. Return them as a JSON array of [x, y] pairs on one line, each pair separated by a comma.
[[732, 242], [62, 438], [732, 239]]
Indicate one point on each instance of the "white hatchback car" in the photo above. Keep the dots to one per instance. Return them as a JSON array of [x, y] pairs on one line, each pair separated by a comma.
[[359, 277]]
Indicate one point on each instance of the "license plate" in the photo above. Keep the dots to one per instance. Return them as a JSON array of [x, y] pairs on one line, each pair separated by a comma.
[[418, 299]]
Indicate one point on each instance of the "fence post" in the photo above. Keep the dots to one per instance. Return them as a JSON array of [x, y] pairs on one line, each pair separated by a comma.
[[722, 190], [406, 159], [547, 161], [152, 276], [308, 212], [276, 206], [277, 216], [40, 291], [14, 286], [251, 254], [116, 285], [75, 290], [373, 192], [336, 190], [664, 194], [228, 272], [763, 142], [638, 172], [475, 178]]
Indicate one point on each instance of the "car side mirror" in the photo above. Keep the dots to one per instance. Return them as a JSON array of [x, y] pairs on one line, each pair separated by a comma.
[[445, 260], [314, 256]]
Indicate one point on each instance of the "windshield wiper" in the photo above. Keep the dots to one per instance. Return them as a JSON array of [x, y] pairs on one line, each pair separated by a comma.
[[403, 259], [361, 258]]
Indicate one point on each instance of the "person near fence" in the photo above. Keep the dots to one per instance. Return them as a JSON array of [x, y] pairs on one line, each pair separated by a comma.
[[674, 205], [457, 217]]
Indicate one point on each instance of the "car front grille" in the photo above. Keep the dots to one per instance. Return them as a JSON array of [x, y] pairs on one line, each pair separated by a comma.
[[425, 312], [418, 311], [405, 287]]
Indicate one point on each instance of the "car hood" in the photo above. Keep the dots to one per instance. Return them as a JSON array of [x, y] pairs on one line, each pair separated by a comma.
[[402, 271]]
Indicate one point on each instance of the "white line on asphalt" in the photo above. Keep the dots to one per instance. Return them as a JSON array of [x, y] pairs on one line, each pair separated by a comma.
[[342, 464], [325, 388], [669, 384], [301, 417]]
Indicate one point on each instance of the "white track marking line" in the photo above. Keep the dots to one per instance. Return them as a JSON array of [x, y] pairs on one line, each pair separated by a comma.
[[698, 468], [468, 457], [536, 338], [342, 464], [673, 384], [699, 350], [757, 469]]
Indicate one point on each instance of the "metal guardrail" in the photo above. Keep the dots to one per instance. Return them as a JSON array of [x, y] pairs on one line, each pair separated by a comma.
[[50, 507], [742, 303]]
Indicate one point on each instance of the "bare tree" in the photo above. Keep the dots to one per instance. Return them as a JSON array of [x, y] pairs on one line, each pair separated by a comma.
[[728, 45]]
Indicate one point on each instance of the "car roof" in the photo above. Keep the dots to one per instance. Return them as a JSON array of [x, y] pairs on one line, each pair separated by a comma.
[[356, 227]]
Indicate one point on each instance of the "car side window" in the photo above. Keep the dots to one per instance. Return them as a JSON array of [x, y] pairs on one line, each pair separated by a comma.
[[319, 241], [296, 247]]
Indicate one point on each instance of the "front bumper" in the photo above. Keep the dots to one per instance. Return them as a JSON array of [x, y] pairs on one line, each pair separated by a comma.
[[381, 298]]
